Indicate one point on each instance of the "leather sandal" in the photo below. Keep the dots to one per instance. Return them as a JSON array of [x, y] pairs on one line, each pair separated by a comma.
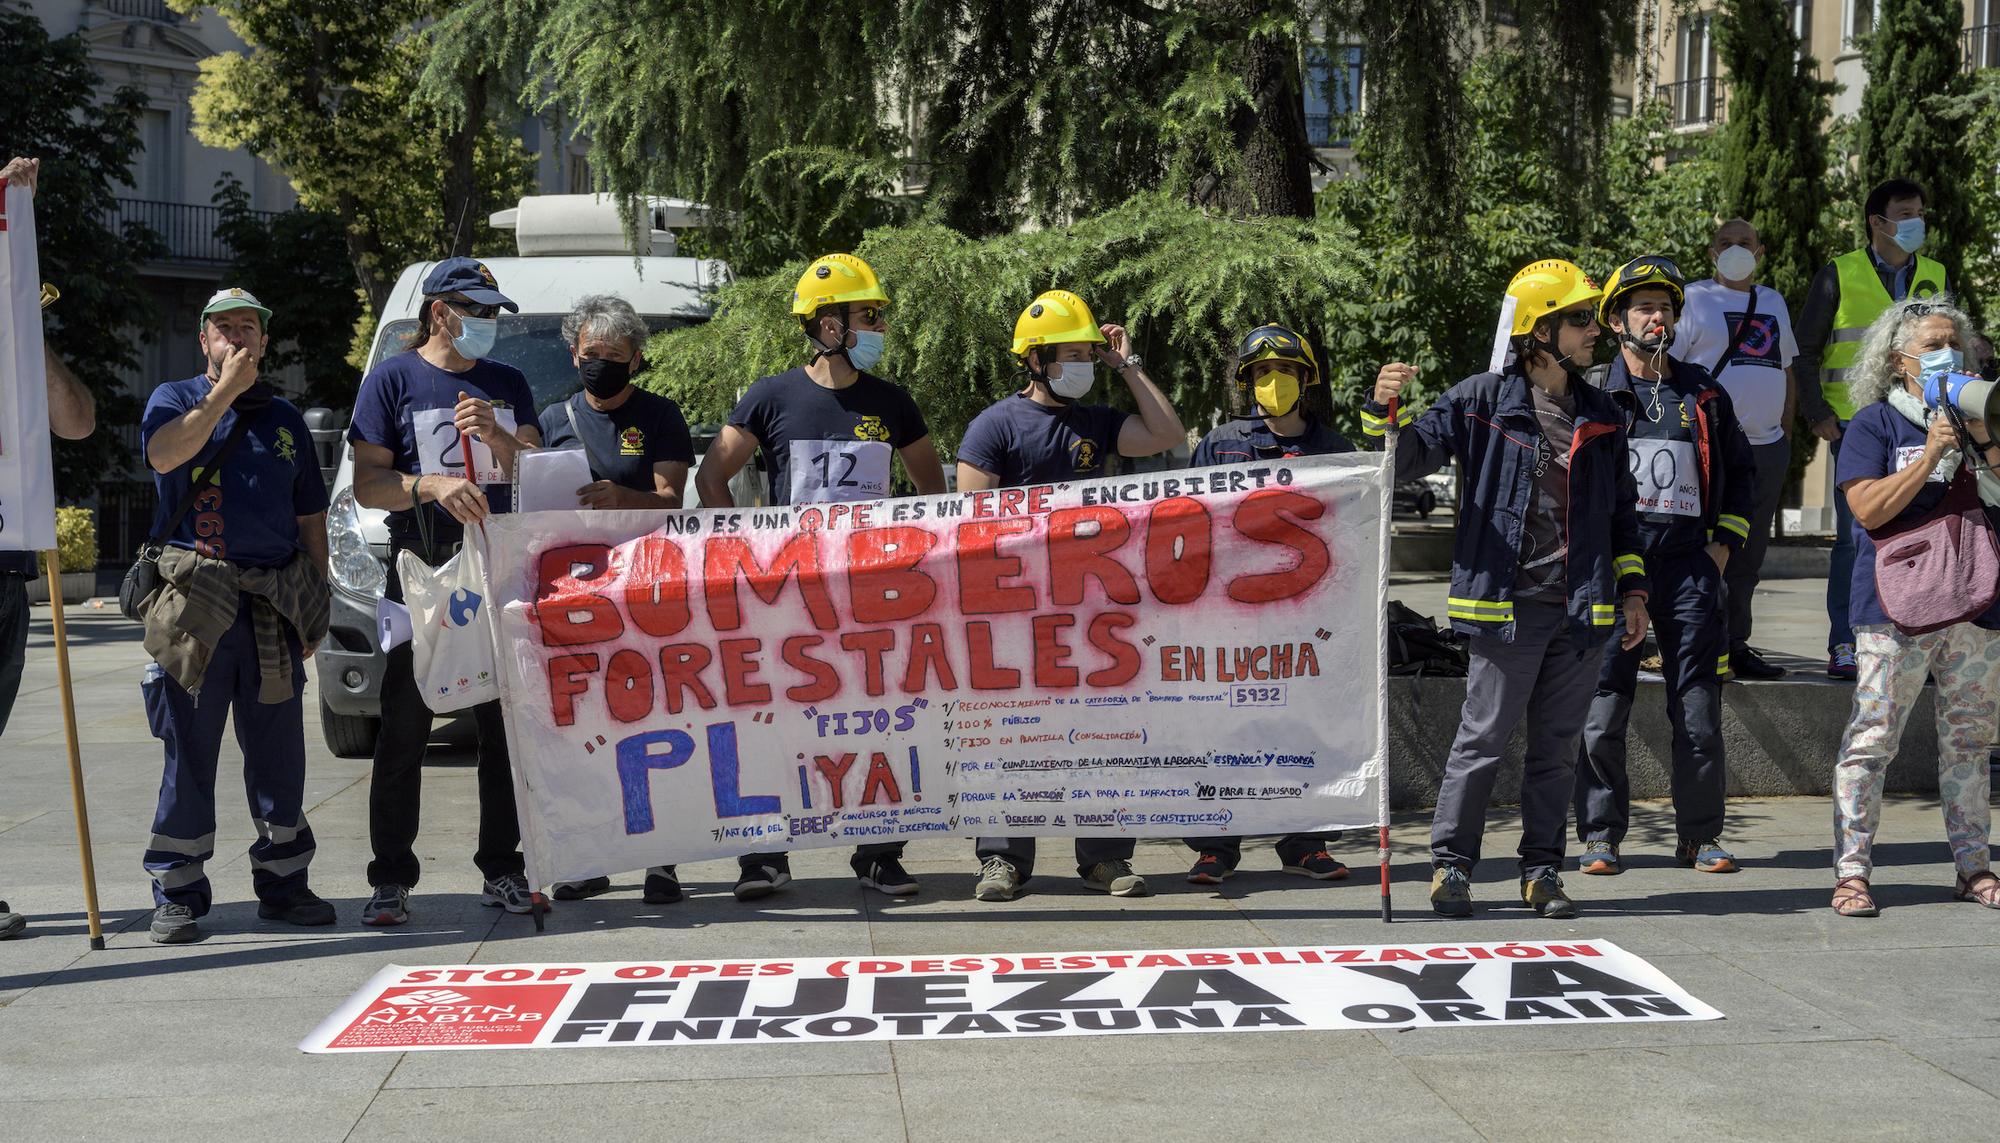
[[1980, 889], [1852, 899]]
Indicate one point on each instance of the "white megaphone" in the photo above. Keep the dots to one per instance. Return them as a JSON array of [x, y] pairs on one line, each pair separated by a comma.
[[1973, 396]]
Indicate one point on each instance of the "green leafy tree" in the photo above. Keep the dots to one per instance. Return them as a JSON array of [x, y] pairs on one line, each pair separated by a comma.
[[326, 93], [988, 117], [298, 258], [1439, 314], [1909, 123], [1979, 111], [56, 110], [1187, 283], [1774, 151]]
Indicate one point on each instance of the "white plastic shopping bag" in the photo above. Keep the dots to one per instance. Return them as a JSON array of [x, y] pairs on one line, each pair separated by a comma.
[[451, 629]]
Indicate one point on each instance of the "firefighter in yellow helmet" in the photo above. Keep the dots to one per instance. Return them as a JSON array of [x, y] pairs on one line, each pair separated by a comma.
[[831, 430], [1544, 562], [1047, 433], [1276, 371]]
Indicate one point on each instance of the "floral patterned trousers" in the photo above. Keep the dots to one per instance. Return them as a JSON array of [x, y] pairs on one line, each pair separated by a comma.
[[1965, 661]]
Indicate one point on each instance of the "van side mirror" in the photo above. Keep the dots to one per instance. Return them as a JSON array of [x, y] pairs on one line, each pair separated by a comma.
[[326, 431]]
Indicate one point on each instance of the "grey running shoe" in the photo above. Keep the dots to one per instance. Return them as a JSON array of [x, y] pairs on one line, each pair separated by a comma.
[[174, 925], [509, 891], [1705, 856], [387, 905], [1116, 878], [12, 924], [998, 880], [1599, 857]]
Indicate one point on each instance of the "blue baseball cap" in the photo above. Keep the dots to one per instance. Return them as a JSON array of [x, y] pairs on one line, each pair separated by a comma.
[[469, 277]]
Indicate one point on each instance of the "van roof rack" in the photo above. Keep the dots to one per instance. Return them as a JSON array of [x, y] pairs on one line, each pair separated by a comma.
[[553, 225]]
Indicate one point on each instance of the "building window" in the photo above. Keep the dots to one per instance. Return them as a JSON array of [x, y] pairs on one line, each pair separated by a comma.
[[1693, 99], [1332, 95], [1799, 14], [1860, 18], [1982, 39], [579, 174]]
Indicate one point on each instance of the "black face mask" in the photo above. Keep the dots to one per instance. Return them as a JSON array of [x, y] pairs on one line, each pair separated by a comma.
[[604, 378], [257, 396]]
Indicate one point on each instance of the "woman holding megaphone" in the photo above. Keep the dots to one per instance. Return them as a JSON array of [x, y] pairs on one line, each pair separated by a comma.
[[1916, 468]]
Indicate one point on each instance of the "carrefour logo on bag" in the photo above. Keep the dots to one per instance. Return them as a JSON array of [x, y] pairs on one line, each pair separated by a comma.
[[462, 607]]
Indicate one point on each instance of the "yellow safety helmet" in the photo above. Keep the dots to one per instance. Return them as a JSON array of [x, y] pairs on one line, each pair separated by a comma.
[[1546, 287], [1276, 343], [1055, 317], [1647, 272], [836, 279]]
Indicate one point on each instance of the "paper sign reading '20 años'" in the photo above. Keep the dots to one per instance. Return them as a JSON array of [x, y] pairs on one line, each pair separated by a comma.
[[462, 1007], [1177, 654]]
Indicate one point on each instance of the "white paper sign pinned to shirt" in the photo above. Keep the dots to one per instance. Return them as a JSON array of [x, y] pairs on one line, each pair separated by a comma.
[[824, 471], [550, 478], [443, 451], [1668, 477]]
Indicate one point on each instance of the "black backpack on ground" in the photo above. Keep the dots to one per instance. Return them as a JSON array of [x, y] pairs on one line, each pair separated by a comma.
[[1417, 646]]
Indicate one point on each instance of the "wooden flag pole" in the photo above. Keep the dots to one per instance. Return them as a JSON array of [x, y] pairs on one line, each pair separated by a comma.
[[1382, 793], [53, 570]]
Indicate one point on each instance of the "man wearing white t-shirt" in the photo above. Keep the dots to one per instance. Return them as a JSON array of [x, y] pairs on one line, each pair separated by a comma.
[[1741, 333]]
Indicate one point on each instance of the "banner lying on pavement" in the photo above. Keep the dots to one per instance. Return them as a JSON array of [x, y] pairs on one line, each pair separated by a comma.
[[554, 1005], [1175, 654]]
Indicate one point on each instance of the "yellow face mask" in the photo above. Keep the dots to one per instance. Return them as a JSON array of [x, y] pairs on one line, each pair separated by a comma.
[[1277, 393]]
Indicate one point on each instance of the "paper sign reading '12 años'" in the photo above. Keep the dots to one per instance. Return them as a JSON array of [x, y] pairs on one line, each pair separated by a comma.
[[1192, 652]]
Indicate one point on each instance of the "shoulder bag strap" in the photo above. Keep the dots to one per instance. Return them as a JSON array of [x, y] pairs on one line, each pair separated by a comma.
[[1736, 335], [194, 483], [569, 408]]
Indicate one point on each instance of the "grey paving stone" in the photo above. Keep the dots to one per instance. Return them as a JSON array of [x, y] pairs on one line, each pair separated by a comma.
[[1841, 1090], [837, 1109]]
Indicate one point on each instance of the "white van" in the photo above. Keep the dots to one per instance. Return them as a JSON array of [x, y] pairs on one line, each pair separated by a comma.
[[569, 246]]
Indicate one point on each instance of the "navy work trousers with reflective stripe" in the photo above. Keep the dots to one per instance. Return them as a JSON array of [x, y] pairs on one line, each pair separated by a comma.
[[1691, 626], [273, 741]]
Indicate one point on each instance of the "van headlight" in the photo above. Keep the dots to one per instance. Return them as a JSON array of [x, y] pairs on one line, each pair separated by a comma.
[[355, 568]]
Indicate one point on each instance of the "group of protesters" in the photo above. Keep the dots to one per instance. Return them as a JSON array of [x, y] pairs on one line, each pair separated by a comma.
[[1587, 536]]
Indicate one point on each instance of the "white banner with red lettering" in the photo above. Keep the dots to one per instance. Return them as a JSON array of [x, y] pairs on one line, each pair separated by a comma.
[[27, 480], [1174, 654], [1308, 988]]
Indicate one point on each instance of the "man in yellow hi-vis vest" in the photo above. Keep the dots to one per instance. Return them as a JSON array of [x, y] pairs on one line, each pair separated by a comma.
[[1846, 295]]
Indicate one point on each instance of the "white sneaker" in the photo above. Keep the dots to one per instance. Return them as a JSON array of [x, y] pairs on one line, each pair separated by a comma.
[[998, 880]]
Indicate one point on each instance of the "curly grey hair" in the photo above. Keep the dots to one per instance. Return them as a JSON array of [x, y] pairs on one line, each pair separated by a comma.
[[1874, 370], [606, 315]]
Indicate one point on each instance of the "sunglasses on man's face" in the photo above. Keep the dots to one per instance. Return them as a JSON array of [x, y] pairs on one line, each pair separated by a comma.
[[867, 315], [1577, 319], [473, 309]]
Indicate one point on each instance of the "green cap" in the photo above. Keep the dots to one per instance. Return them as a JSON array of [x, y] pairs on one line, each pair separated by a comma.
[[236, 298]]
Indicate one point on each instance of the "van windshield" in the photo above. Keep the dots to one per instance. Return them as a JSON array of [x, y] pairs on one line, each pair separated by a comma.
[[531, 343]]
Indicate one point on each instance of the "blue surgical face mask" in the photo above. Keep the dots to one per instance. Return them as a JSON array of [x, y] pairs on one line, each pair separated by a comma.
[[866, 350], [475, 336], [1910, 235], [1943, 360]]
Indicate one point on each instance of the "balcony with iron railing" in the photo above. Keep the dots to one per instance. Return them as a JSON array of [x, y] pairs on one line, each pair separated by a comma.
[[140, 10], [1982, 46], [187, 232], [1693, 103]]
